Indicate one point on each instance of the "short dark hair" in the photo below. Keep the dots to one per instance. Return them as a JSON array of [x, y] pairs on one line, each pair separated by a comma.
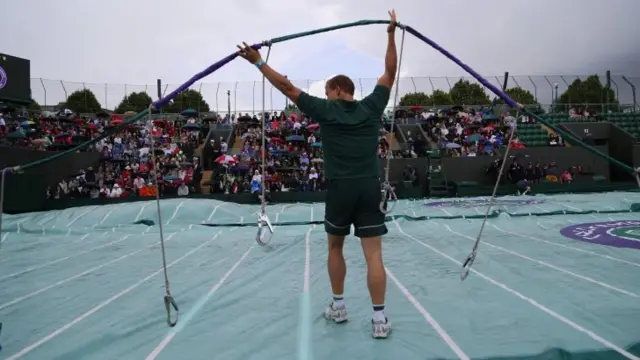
[[343, 83]]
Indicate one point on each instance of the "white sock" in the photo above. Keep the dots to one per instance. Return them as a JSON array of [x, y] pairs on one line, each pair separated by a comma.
[[338, 301], [378, 313]]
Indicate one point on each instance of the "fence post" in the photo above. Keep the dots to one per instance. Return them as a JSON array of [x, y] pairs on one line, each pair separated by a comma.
[[617, 92], [66, 96], [84, 88], [415, 89], [448, 83], [45, 91], [361, 88], [566, 83], [271, 98], [433, 88], [126, 93], [253, 99], [554, 96], [535, 89], [106, 97], [217, 107], [200, 92], [633, 92], [235, 97]]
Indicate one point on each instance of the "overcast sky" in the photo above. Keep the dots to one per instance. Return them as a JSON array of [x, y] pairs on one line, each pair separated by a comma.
[[137, 41]]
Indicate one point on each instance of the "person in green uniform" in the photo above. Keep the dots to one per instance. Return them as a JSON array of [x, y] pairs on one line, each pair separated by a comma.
[[350, 131]]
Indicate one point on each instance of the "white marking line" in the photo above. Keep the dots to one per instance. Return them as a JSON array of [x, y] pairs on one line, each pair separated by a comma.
[[445, 211], [86, 272], [541, 307], [104, 218], [304, 339], [79, 216], [212, 213], [140, 212], [175, 212], [427, 316], [196, 308], [311, 217], [551, 266], [568, 247], [62, 259], [98, 307], [4, 237]]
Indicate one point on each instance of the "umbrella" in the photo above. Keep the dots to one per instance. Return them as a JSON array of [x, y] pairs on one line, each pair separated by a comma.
[[317, 160], [295, 138], [226, 159], [277, 140], [116, 122], [239, 168], [102, 114], [159, 122], [489, 117], [312, 127], [453, 146], [473, 137], [192, 126], [317, 144], [189, 113], [40, 141], [48, 115], [130, 113], [16, 135]]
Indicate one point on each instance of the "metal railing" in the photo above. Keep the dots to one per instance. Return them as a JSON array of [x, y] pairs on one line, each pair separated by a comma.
[[246, 96]]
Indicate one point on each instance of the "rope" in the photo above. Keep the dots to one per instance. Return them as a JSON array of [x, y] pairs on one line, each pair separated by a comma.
[[265, 230], [2, 178], [169, 302], [387, 190], [466, 266], [263, 202]]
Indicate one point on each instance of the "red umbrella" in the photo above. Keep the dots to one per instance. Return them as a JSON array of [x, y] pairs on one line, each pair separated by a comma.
[[277, 140], [226, 159], [79, 120], [116, 122], [313, 127]]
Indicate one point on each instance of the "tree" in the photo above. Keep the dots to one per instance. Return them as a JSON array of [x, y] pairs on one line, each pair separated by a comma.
[[520, 95], [415, 99], [466, 93], [589, 93], [188, 99], [136, 101], [439, 97], [82, 101], [291, 107]]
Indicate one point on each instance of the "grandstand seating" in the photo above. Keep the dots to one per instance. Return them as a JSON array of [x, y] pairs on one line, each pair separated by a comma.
[[532, 134]]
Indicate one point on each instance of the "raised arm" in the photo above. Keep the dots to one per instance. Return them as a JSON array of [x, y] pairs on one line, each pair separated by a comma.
[[391, 57], [278, 80]]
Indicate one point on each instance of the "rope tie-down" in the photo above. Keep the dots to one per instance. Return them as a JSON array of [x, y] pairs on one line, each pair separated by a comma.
[[264, 224]]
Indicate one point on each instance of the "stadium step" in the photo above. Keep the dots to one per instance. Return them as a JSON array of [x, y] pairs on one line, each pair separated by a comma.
[[394, 145], [237, 145], [206, 176], [198, 151]]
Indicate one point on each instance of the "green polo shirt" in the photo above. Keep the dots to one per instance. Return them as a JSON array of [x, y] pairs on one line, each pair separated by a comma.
[[350, 132]]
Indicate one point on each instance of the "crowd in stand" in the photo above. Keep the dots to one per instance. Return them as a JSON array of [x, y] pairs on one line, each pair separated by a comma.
[[125, 167], [293, 155]]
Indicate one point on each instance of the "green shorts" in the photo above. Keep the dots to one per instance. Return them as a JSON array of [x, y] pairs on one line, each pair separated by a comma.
[[354, 202]]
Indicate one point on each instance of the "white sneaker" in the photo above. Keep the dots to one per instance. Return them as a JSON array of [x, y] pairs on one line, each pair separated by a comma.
[[338, 315], [380, 330]]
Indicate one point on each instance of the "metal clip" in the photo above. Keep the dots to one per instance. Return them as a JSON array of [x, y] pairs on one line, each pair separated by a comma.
[[265, 230], [389, 198], [466, 266], [169, 303]]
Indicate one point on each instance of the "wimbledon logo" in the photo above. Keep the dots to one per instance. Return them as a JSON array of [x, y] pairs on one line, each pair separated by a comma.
[[483, 202], [3, 78], [624, 233]]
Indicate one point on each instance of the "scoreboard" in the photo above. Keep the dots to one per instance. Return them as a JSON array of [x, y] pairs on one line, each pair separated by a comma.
[[15, 79]]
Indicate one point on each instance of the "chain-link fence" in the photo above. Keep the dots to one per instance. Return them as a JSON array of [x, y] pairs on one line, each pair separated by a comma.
[[247, 96]]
